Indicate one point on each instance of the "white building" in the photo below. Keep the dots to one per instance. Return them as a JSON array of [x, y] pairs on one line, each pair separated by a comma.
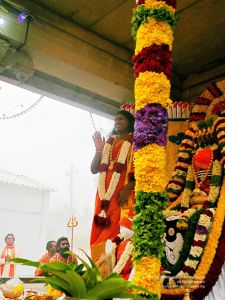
[[24, 205]]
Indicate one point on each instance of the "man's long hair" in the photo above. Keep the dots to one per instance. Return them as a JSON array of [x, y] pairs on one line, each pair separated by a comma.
[[130, 119], [63, 238]]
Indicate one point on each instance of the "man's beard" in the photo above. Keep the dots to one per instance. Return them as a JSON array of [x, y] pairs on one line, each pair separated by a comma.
[[62, 252]]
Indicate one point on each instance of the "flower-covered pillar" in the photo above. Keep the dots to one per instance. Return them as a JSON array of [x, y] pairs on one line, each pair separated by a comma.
[[153, 23]]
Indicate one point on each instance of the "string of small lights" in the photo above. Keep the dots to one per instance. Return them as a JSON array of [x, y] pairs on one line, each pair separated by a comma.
[[5, 117]]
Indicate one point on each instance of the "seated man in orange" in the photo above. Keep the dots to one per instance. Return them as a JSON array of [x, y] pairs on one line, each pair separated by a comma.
[[51, 251], [63, 246]]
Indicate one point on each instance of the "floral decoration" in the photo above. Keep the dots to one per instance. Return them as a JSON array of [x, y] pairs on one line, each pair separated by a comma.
[[150, 160], [153, 23], [156, 58], [153, 32], [150, 126], [142, 14], [124, 258], [151, 87]]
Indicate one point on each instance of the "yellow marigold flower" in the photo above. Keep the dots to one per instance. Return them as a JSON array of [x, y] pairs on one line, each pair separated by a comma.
[[147, 274], [150, 165], [53, 292], [153, 32], [158, 4], [151, 87]]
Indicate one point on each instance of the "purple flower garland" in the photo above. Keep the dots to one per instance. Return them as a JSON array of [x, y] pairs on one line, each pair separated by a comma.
[[151, 125]]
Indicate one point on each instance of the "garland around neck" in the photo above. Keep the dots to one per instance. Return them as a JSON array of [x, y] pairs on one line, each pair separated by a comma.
[[106, 195]]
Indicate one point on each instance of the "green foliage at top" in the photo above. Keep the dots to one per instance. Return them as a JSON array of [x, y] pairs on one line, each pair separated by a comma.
[[141, 15], [83, 281]]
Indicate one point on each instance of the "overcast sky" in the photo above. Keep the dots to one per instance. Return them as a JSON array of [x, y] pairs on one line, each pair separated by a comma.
[[43, 144]]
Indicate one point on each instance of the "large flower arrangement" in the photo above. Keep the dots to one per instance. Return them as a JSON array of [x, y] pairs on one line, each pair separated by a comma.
[[205, 269], [153, 23], [212, 258]]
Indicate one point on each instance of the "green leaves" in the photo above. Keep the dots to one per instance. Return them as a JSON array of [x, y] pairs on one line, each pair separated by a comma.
[[142, 14], [83, 281], [76, 284], [26, 262], [148, 224]]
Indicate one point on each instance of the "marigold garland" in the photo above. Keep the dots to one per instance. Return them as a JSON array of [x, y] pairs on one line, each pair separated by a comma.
[[213, 237], [147, 274], [211, 247], [188, 238], [150, 160], [159, 4], [105, 196], [152, 91], [170, 3], [153, 32], [152, 87]]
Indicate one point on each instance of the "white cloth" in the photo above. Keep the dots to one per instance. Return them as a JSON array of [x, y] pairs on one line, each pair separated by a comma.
[[218, 291], [7, 264]]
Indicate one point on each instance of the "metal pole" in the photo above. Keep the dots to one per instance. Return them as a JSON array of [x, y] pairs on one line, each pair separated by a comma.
[[72, 239]]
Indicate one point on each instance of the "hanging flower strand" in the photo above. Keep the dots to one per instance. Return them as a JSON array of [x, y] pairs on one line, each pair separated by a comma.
[[153, 23], [105, 195]]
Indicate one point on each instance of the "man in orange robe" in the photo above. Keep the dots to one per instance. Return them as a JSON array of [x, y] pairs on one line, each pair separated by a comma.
[[63, 246], [104, 228], [7, 268], [51, 251]]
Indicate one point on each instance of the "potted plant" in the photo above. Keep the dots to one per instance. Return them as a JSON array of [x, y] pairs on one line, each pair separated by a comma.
[[84, 281]]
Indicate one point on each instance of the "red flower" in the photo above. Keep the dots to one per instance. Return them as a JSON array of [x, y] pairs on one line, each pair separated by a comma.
[[130, 138], [104, 204], [110, 140], [101, 221], [119, 168], [162, 268], [156, 58], [117, 240], [103, 168]]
